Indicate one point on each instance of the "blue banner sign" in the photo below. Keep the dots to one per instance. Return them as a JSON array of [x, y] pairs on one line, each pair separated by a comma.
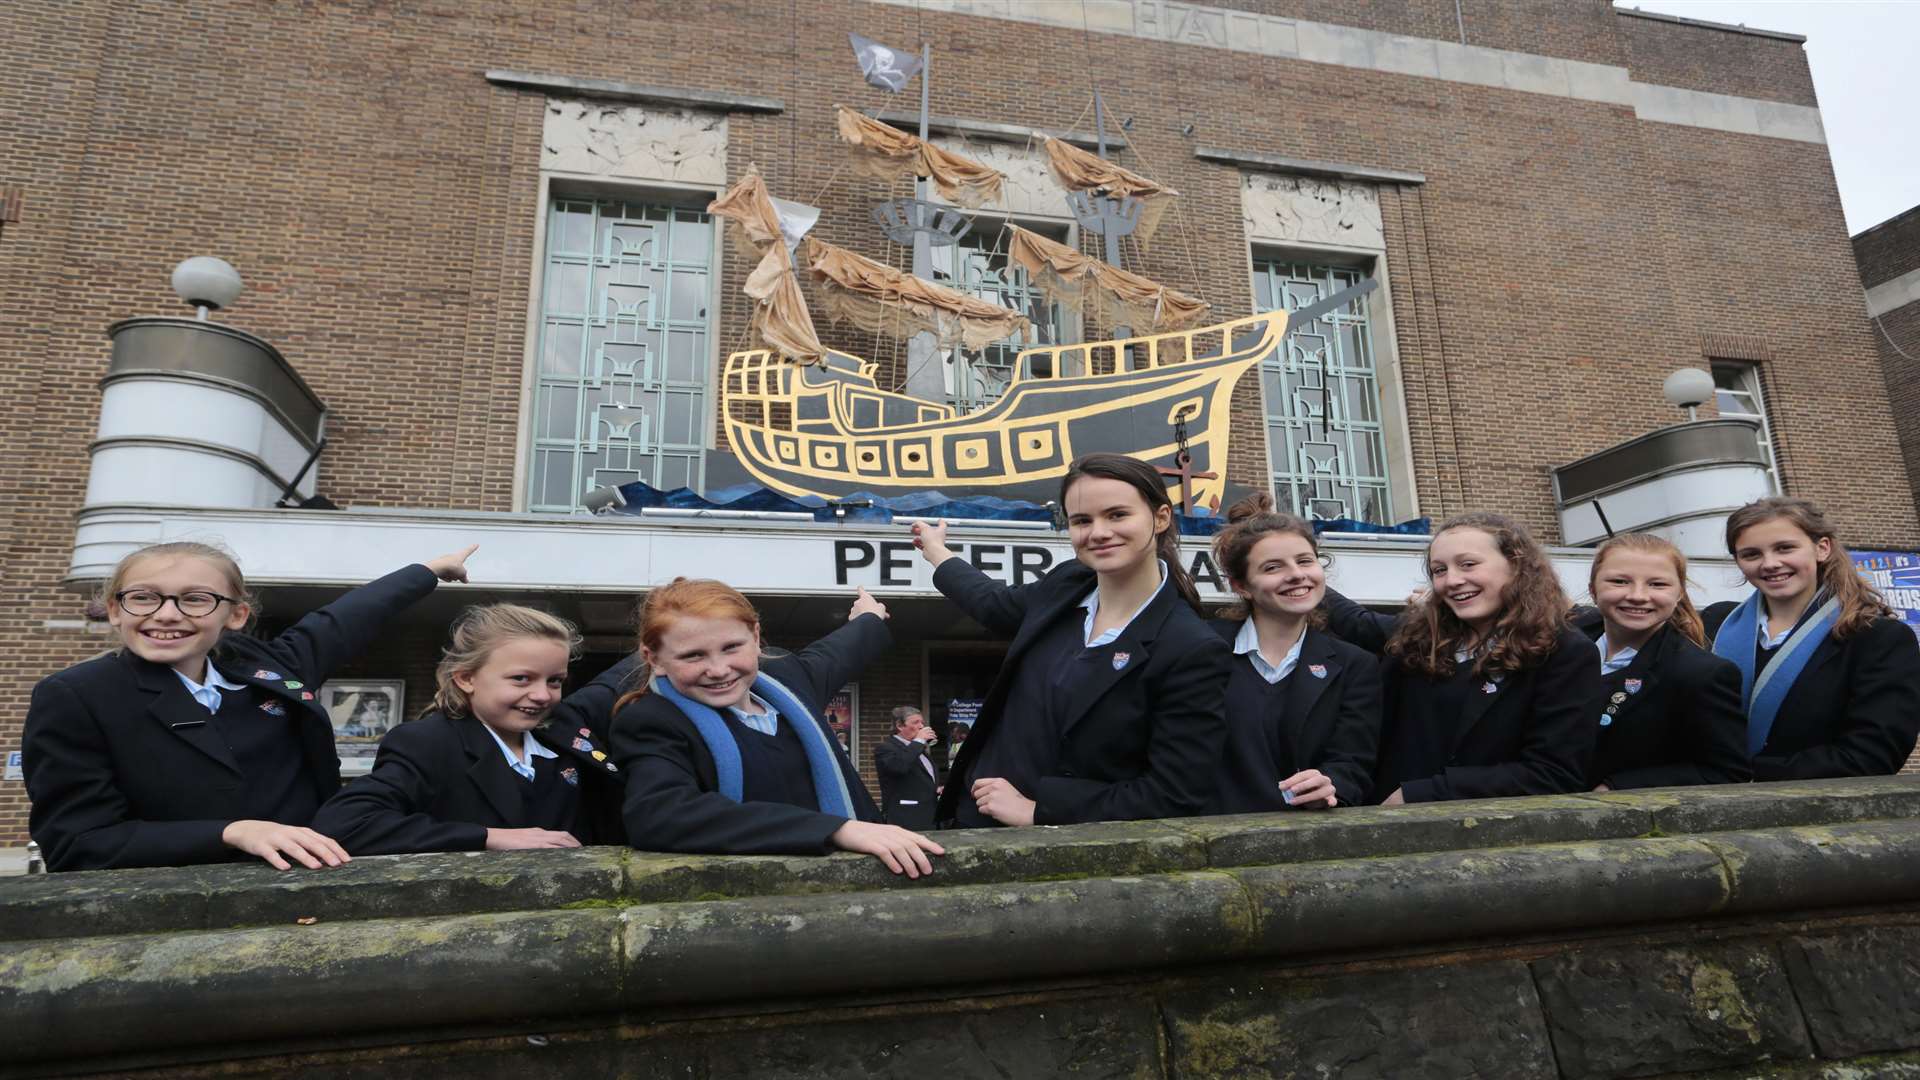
[[1897, 575]]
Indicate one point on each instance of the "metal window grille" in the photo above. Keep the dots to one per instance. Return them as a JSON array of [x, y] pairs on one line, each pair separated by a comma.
[[620, 393], [1736, 390], [978, 265], [1327, 451]]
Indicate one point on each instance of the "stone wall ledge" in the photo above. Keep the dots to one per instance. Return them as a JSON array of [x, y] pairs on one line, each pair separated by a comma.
[[240, 895], [120, 994]]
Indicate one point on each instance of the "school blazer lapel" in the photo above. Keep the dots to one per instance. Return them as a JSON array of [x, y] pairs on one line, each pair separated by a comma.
[[1645, 667], [1122, 657], [1304, 687], [174, 710], [1486, 690], [489, 771]]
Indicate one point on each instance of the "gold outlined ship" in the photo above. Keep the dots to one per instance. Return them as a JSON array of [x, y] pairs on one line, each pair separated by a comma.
[[829, 430]]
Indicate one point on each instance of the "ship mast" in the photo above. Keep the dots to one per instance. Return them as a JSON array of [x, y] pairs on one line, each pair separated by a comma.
[[925, 378]]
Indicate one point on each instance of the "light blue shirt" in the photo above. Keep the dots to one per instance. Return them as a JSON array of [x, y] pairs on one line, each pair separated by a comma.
[[529, 744], [208, 693], [1247, 643], [1611, 664], [762, 719], [1092, 606], [1767, 641]]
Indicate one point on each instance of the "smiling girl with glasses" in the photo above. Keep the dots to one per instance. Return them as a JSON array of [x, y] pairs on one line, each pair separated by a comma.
[[195, 742]]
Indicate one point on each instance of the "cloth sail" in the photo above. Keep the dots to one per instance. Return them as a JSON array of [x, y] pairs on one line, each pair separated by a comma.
[[1077, 170], [886, 152], [780, 313], [1106, 293], [879, 299]]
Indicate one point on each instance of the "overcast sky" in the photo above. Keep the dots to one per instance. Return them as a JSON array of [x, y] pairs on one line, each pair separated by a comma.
[[1862, 53]]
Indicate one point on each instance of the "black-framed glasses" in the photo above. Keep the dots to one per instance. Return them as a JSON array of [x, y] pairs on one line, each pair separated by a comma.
[[193, 604]]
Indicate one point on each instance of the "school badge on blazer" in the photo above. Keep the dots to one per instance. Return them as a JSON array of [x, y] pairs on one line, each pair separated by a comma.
[[1120, 660], [1318, 671]]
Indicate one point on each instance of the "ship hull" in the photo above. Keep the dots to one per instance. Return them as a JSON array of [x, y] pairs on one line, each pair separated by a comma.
[[809, 432]]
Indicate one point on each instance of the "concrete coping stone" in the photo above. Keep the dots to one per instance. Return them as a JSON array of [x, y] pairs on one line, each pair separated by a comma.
[[236, 895], [106, 995]]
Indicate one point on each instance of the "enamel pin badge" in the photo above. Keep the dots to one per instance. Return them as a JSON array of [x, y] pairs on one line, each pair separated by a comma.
[[1120, 660], [269, 676], [1319, 671], [1633, 686], [1489, 688], [583, 746], [571, 775], [273, 708]]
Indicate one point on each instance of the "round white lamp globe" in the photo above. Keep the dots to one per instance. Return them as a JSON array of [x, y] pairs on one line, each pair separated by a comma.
[[206, 282], [1688, 387]]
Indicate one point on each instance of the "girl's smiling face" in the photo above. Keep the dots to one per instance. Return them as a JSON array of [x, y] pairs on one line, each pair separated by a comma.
[[1284, 575], [711, 660], [517, 685], [1636, 592], [1469, 575], [1110, 525], [167, 635], [1781, 560]]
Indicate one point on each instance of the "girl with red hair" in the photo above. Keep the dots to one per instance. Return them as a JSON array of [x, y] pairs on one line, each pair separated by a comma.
[[725, 746]]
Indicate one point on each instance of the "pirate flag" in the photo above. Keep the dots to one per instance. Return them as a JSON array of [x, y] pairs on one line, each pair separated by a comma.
[[885, 67]]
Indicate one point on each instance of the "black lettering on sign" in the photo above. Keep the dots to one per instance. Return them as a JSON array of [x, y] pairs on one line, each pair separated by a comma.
[[1204, 572], [1030, 563], [850, 555], [986, 558], [896, 555]]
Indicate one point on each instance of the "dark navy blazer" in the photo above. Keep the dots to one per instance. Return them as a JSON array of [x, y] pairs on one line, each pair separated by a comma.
[[1143, 740], [1854, 710], [123, 768], [1333, 721], [673, 800], [439, 782]]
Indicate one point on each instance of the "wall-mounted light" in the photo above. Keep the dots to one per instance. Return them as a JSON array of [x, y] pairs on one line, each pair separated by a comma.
[[206, 283], [1688, 388]]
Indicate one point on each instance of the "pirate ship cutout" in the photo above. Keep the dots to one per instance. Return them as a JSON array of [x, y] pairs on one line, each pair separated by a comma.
[[805, 419]]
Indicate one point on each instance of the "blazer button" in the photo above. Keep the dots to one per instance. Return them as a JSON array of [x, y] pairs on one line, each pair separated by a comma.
[[1066, 772]]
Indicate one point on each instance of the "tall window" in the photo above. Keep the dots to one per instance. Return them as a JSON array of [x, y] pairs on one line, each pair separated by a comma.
[[1736, 390], [1327, 450], [621, 389], [978, 265]]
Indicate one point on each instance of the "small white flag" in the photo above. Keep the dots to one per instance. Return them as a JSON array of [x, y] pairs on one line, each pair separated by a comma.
[[885, 67]]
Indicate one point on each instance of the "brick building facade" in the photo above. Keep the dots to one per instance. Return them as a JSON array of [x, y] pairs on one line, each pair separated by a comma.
[[1565, 202], [1889, 258]]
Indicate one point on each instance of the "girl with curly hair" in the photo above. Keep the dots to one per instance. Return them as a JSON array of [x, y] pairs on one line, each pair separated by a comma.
[[1488, 686]]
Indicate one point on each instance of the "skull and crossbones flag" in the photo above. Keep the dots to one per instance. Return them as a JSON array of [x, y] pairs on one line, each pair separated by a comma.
[[885, 67]]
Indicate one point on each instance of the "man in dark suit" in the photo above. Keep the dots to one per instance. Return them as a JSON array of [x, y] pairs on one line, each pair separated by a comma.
[[908, 783]]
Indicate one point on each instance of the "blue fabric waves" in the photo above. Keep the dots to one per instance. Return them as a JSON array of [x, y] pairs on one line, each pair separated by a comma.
[[864, 506]]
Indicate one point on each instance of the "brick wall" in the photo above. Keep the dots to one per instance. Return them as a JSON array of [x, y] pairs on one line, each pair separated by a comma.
[[1883, 253], [381, 197]]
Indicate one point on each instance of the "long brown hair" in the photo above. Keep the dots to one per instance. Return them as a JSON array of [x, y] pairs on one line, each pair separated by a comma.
[[1684, 618], [483, 628], [698, 597], [1250, 521], [1152, 487], [1860, 603], [1533, 609]]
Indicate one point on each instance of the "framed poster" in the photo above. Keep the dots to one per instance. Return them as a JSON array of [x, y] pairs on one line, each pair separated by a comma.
[[362, 711], [843, 716]]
